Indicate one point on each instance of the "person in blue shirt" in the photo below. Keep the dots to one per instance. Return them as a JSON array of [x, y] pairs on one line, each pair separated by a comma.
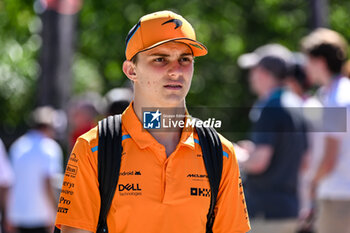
[[275, 151]]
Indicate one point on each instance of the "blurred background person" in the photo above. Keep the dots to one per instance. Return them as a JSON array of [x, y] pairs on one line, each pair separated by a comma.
[[296, 79], [36, 160], [35, 40], [83, 114], [6, 180], [118, 99], [298, 82], [327, 52], [274, 154], [346, 69]]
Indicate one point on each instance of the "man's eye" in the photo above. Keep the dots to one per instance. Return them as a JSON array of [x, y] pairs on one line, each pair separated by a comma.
[[159, 59], [185, 59]]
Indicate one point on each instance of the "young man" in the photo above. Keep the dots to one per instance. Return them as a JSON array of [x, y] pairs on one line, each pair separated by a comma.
[[36, 159], [273, 156], [158, 169], [327, 53]]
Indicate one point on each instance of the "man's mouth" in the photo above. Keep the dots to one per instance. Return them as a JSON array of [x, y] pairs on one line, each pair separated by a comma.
[[173, 86]]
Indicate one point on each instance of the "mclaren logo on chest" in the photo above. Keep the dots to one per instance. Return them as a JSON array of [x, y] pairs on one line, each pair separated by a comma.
[[197, 176]]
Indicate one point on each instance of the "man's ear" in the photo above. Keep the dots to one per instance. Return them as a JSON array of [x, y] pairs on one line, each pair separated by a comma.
[[129, 70]]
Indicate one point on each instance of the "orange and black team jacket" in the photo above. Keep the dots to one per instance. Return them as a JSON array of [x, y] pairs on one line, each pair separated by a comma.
[[155, 193]]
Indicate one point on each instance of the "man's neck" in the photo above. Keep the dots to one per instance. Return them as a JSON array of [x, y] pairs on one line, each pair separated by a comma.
[[46, 132], [170, 138], [328, 80], [268, 92]]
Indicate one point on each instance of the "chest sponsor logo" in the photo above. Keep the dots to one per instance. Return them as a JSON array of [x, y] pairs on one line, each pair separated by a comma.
[[129, 189], [197, 176], [130, 173], [73, 158], [243, 199], [71, 171], [64, 201], [68, 192], [200, 192], [68, 184], [62, 210]]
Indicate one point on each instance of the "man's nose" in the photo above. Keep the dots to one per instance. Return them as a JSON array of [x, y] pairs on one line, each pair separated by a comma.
[[175, 69]]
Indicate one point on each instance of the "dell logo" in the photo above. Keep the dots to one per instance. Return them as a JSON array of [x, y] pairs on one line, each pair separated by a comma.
[[129, 187]]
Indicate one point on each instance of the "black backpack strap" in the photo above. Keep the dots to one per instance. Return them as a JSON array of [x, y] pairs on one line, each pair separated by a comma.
[[109, 159], [212, 156]]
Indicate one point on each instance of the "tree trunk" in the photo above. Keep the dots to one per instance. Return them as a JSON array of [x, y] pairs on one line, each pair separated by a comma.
[[56, 59], [319, 13]]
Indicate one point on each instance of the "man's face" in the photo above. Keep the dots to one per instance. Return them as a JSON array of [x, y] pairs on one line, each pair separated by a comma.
[[257, 80], [163, 75], [314, 68]]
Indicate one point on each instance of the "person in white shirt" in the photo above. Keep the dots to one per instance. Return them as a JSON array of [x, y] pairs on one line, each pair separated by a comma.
[[36, 160], [326, 52], [298, 82], [6, 179]]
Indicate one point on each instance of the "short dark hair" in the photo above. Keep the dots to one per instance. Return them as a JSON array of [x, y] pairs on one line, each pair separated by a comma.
[[327, 44], [332, 54], [274, 65], [134, 59], [297, 72]]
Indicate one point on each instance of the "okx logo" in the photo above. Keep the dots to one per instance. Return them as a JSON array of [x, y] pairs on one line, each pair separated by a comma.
[[202, 192], [152, 120]]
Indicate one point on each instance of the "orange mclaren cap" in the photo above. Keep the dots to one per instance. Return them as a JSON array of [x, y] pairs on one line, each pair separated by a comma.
[[158, 28]]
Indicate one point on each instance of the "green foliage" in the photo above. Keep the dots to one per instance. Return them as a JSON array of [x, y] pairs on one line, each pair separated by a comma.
[[339, 18], [227, 28], [20, 42]]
